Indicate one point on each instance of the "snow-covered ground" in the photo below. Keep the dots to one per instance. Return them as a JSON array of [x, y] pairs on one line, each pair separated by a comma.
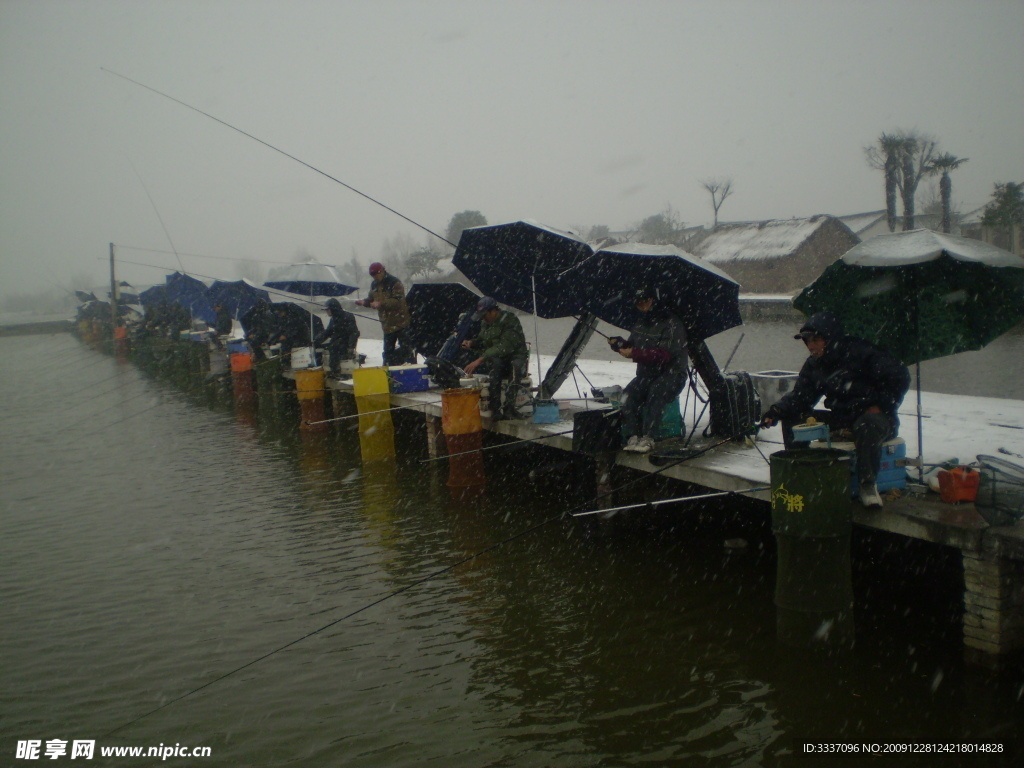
[[954, 426]]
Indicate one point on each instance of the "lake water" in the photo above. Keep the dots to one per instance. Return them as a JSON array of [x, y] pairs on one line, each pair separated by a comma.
[[151, 543]]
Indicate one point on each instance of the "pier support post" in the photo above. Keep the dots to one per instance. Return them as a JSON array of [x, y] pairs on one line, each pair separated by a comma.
[[993, 621], [435, 437]]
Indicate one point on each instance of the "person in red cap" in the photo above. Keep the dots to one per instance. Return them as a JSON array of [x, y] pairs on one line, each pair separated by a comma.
[[387, 296]]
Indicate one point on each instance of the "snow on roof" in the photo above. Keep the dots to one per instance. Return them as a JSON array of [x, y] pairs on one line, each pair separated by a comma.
[[858, 222], [754, 242]]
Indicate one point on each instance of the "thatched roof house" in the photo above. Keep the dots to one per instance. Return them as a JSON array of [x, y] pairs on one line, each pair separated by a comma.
[[775, 256]]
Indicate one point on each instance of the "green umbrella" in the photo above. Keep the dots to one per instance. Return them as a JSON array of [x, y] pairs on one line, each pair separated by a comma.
[[921, 295]]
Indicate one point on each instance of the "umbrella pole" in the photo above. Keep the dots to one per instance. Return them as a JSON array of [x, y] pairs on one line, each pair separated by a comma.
[[920, 437], [536, 332]]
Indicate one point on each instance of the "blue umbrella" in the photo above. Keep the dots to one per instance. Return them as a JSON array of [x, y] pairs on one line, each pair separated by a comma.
[[193, 295], [153, 296], [704, 297], [238, 296], [520, 264], [309, 279]]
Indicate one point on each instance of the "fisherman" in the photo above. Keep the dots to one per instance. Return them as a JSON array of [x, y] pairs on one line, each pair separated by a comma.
[[289, 330], [387, 296], [341, 334], [258, 328], [503, 351], [863, 387], [657, 344], [224, 323]]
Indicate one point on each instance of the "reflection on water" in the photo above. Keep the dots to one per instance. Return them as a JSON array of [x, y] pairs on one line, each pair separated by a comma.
[[141, 559]]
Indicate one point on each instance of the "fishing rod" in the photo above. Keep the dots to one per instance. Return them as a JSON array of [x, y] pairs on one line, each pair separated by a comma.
[[370, 413], [659, 502], [281, 151], [309, 166], [401, 590], [496, 447]]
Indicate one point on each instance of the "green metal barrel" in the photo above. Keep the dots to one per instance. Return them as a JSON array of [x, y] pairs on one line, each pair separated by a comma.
[[811, 518]]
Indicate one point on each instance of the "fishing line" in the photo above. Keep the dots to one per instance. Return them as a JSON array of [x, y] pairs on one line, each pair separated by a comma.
[[160, 218], [401, 590], [202, 255], [515, 443], [281, 151]]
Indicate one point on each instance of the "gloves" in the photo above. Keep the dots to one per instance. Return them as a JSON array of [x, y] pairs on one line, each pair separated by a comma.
[[771, 417]]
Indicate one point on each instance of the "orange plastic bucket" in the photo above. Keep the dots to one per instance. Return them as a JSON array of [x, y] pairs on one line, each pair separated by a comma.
[[460, 411], [241, 362], [959, 484]]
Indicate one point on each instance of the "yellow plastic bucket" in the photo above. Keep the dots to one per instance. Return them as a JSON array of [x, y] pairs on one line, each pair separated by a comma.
[[370, 381], [309, 384], [460, 411]]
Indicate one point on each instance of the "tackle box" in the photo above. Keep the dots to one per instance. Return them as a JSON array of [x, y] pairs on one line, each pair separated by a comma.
[[408, 378]]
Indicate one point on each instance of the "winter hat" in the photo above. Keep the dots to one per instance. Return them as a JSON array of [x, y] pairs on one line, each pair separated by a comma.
[[823, 324]]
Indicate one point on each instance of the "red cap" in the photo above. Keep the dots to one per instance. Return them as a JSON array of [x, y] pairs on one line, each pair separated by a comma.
[[376, 267]]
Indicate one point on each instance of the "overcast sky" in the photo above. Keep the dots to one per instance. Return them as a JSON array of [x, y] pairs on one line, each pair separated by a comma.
[[568, 113]]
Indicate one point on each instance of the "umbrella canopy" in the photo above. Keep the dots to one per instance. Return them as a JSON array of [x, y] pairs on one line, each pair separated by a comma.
[[238, 296], [506, 261], [264, 317], [192, 294], [436, 309], [309, 279], [153, 296], [704, 297], [921, 294]]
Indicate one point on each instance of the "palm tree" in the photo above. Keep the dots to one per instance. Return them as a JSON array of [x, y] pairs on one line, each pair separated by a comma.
[[943, 164], [885, 156]]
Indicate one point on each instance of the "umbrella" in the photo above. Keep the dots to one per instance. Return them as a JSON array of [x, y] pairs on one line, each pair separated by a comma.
[[265, 315], [520, 264], [704, 297], [153, 296], [436, 309], [238, 296], [192, 294], [309, 279], [921, 294]]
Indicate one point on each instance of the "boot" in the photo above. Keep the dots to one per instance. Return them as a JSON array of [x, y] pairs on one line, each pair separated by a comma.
[[869, 495]]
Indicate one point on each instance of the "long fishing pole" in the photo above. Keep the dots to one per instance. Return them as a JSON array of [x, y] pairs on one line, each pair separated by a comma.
[[496, 447], [371, 413], [401, 590], [304, 163], [659, 502], [280, 151]]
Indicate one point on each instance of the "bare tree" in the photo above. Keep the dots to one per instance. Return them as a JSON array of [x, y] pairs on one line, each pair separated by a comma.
[[942, 165], [719, 189]]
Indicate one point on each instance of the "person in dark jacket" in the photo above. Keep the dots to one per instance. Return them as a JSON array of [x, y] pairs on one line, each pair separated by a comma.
[[259, 328], [224, 323], [863, 387], [341, 335], [502, 349], [387, 296], [657, 344], [290, 330]]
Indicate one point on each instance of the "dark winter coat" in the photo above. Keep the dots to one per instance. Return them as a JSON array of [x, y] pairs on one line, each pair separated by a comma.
[[852, 375], [342, 329], [503, 338], [659, 344]]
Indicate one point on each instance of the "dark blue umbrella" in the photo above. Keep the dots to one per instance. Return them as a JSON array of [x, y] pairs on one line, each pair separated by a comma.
[[309, 279], [520, 264], [704, 297], [436, 309], [193, 295], [238, 296], [153, 296]]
